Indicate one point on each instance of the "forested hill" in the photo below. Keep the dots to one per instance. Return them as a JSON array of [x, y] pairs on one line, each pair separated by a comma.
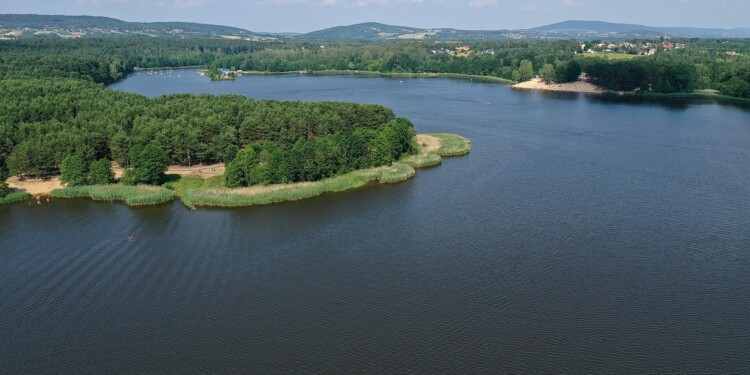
[[372, 31], [564, 30], [18, 26], [593, 29]]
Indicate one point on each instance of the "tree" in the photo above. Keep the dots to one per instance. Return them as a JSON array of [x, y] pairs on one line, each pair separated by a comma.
[[567, 71], [100, 173], [238, 171], [526, 70], [547, 72], [148, 166], [74, 171]]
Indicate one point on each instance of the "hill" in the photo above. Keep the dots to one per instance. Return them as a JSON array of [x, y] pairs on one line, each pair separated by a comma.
[[564, 30], [16, 26], [583, 29]]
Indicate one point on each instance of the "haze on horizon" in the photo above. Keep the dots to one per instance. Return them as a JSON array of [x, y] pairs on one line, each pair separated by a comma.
[[310, 15]]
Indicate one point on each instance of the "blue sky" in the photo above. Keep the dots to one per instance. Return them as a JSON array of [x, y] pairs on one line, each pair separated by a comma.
[[309, 15]]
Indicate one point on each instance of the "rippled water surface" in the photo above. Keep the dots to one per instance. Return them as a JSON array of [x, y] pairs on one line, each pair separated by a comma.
[[580, 236]]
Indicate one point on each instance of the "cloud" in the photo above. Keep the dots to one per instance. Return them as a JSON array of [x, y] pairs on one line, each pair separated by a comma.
[[530, 7], [481, 3], [188, 4], [571, 3]]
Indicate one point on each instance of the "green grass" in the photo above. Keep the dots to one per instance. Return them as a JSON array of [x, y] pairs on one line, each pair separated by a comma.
[[140, 195], [15, 197], [259, 195], [452, 144]]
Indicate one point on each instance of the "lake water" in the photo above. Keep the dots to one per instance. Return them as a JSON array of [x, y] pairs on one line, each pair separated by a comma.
[[581, 235]]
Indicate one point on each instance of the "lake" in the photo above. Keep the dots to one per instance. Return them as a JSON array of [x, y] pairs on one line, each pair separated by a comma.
[[581, 235]]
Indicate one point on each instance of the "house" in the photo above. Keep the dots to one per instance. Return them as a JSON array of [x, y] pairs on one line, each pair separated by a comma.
[[668, 46], [224, 71], [731, 53], [652, 52], [679, 46], [489, 51], [463, 48]]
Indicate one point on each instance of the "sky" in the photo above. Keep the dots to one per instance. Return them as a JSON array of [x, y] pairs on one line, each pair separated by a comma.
[[310, 15]]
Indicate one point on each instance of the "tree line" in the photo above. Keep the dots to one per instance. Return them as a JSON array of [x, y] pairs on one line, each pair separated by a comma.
[[44, 122]]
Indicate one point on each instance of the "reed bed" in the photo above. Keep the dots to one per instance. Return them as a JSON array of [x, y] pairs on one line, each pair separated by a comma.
[[452, 145], [15, 197], [140, 195]]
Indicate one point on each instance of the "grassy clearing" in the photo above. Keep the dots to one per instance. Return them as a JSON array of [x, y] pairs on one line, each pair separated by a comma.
[[15, 197], [140, 195]]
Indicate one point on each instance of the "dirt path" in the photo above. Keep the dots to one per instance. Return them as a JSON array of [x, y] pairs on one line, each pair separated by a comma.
[[199, 170]]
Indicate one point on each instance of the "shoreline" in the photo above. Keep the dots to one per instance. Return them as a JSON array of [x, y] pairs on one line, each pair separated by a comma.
[[577, 86], [587, 88], [334, 72], [192, 193]]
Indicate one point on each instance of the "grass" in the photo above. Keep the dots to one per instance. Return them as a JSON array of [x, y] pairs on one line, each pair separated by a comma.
[[140, 195], [15, 197], [452, 144]]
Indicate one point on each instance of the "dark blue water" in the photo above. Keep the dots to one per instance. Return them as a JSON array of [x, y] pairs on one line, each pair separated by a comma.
[[580, 236]]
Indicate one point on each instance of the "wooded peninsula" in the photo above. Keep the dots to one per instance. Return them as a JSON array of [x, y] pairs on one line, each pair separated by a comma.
[[58, 117]]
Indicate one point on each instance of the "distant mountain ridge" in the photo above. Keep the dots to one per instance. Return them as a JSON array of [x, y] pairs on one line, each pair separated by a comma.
[[37, 26], [603, 28], [18, 26], [562, 30]]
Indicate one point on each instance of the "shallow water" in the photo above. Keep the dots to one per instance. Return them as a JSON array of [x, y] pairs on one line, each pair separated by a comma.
[[580, 236]]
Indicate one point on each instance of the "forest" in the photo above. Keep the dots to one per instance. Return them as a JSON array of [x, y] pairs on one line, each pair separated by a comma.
[[43, 122], [54, 102], [705, 64]]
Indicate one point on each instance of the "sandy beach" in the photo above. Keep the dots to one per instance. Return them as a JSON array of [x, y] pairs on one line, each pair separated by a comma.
[[44, 186], [35, 186], [578, 86]]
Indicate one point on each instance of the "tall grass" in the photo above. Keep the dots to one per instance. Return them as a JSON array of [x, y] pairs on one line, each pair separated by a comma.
[[452, 144], [259, 195], [17, 196], [140, 195]]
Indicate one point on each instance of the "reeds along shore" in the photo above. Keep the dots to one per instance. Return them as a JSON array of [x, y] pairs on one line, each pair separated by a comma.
[[140, 195], [198, 192], [15, 197]]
